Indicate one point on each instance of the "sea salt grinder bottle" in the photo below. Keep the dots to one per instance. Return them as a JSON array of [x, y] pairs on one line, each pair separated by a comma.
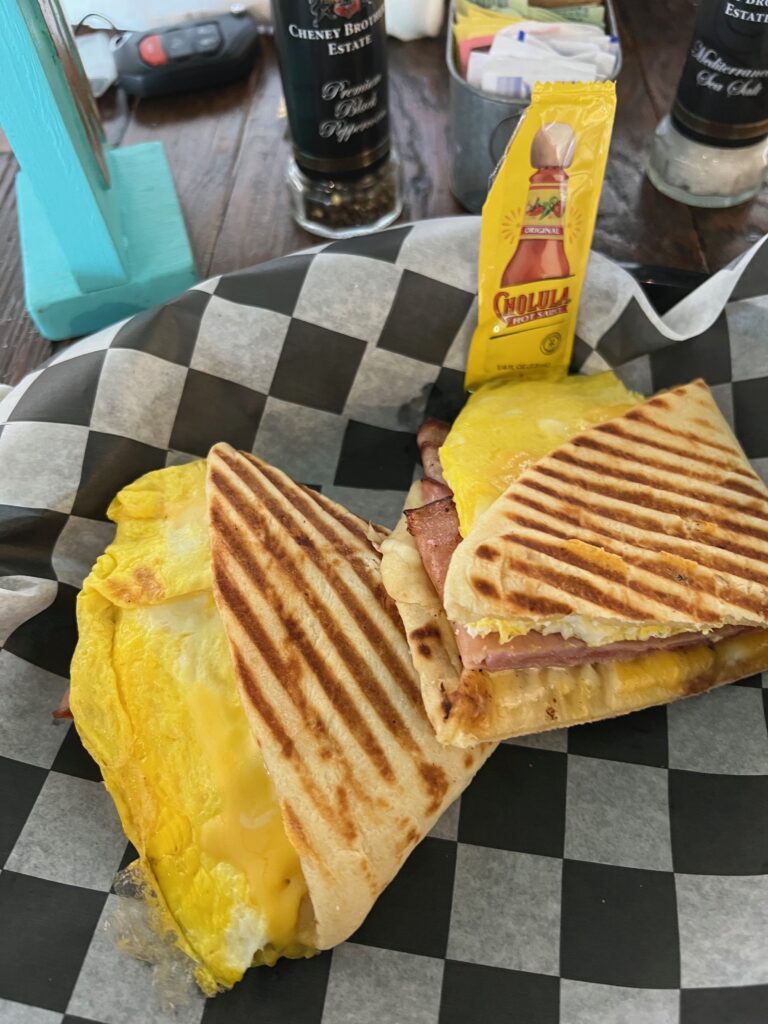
[[343, 177], [712, 149]]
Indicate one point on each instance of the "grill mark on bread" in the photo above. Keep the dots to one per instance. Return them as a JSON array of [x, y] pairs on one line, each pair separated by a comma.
[[398, 668], [486, 552], [700, 492], [576, 587], [253, 629], [436, 784], [297, 833], [684, 435], [614, 429], [632, 499], [342, 802], [659, 401], [543, 606], [485, 587], [720, 481], [737, 485], [263, 708], [250, 477], [355, 557], [350, 525], [272, 722], [568, 557], [250, 624], [600, 512], [644, 558], [425, 632], [338, 696], [634, 477]]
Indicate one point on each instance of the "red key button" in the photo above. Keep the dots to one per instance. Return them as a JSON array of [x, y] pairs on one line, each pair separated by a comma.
[[151, 51]]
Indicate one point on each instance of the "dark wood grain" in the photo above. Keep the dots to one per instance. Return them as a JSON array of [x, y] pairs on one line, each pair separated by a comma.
[[21, 347], [660, 33], [201, 133], [257, 222], [227, 149], [635, 222], [726, 234], [419, 103]]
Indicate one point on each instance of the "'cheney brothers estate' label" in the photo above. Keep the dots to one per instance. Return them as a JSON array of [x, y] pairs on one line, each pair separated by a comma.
[[333, 59], [723, 93]]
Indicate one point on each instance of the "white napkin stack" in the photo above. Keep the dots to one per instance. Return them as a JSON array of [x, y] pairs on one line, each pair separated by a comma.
[[531, 51]]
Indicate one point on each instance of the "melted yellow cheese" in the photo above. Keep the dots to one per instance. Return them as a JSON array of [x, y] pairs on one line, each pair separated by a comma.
[[506, 426], [156, 702], [594, 632], [668, 669]]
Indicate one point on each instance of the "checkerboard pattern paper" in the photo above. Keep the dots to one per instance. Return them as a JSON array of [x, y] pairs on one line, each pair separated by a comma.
[[615, 872]]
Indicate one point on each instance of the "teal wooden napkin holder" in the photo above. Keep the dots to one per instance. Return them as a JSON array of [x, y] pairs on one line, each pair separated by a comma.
[[102, 233]]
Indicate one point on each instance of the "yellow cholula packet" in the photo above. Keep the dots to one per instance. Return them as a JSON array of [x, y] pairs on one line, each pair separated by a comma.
[[537, 228]]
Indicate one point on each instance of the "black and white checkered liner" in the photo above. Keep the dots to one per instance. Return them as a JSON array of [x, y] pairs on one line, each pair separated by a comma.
[[614, 873]]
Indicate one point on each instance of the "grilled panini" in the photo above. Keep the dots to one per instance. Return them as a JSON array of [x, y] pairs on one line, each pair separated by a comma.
[[247, 691], [626, 568], [328, 685]]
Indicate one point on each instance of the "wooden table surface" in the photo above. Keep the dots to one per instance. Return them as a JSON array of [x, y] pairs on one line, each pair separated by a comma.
[[227, 150]]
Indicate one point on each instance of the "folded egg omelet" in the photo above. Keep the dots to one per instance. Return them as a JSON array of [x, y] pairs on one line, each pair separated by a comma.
[[507, 426], [243, 681], [156, 702]]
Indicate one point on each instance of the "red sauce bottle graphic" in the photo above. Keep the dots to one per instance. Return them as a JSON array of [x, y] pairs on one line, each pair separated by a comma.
[[540, 252]]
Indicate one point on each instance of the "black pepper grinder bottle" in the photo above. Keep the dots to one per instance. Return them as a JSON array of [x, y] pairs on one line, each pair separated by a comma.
[[344, 176], [713, 147]]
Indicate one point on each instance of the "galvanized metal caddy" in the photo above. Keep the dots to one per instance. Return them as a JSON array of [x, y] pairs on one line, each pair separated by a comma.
[[481, 126]]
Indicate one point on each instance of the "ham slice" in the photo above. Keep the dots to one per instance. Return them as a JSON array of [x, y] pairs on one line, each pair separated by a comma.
[[431, 436], [534, 650], [433, 490], [435, 528], [63, 710]]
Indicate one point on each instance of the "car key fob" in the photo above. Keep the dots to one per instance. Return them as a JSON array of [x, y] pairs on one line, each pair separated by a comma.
[[194, 55]]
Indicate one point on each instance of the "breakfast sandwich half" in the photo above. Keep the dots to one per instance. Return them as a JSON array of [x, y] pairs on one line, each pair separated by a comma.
[[623, 567], [244, 683]]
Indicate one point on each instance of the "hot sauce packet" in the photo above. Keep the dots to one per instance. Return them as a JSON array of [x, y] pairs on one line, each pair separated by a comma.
[[537, 227]]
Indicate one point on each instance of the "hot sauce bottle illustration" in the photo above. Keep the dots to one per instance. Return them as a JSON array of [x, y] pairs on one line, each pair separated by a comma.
[[540, 252]]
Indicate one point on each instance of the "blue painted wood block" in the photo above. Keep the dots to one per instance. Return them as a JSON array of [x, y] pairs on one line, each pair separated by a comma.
[[102, 234], [154, 246]]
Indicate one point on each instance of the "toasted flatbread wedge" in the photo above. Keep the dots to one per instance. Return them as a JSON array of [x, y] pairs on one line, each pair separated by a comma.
[[328, 685], [467, 707], [648, 531], [248, 694], [651, 524]]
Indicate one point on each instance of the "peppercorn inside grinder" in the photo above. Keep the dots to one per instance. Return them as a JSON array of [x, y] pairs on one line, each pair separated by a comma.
[[344, 176]]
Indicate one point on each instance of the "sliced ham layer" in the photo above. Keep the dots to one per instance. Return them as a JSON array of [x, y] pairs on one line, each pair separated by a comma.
[[534, 650], [434, 490], [63, 710], [431, 435], [435, 528]]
